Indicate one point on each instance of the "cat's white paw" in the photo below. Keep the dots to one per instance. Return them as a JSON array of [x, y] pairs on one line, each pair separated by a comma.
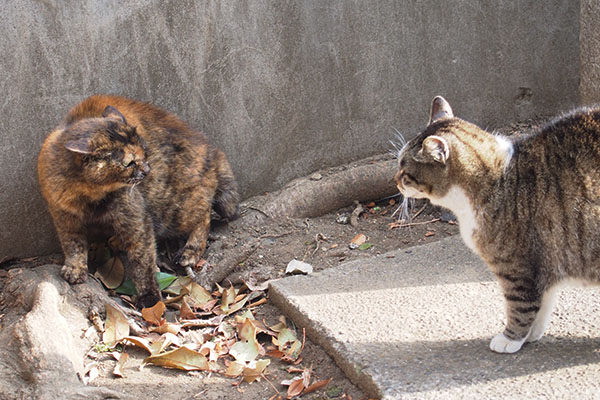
[[502, 344], [537, 331]]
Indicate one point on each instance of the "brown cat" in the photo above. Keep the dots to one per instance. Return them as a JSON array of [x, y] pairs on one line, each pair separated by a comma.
[[134, 171], [528, 205]]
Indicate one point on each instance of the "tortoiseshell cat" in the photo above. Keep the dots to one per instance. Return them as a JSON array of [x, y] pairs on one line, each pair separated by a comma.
[[528, 205], [138, 172]]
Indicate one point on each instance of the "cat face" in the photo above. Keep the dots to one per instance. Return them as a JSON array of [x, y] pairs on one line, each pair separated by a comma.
[[424, 162], [110, 150]]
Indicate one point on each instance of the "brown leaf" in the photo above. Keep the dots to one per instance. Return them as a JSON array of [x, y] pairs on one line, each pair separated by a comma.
[[200, 295], [116, 326], [209, 305], [275, 353], [181, 358], [255, 371], [120, 366], [140, 342], [317, 385], [154, 314], [235, 368], [111, 273], [429, 233], [186, 312], [296, 388], [167, 327]]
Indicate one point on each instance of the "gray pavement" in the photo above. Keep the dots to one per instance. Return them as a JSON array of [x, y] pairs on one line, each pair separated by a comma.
[[416, 324]]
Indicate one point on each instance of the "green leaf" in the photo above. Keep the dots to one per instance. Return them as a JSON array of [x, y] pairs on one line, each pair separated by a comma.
[[163, 279], [127, 288], [365, 246]]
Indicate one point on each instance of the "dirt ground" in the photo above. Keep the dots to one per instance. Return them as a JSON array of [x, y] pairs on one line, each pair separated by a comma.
[[322, 242]]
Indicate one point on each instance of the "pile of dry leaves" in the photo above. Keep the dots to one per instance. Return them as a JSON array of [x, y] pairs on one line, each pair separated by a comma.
[[202, 331]]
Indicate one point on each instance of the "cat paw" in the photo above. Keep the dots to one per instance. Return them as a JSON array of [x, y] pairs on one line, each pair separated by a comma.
[[187, 257], [535, 335], [501, 344], [147, 300], [74, 275]]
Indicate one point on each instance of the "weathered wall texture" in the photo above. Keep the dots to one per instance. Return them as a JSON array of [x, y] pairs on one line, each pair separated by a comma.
[[284, 87], [589, 36]]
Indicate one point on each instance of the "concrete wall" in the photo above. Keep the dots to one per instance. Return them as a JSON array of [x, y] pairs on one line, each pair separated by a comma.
[[589, 36], [284, 87]]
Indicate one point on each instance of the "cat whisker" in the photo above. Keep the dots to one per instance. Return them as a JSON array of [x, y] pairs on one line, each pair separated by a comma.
[[131, 188], [404, 209], [399, 142]]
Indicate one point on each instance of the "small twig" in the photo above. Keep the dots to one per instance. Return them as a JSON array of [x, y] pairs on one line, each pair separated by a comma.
[[274, 236], [318, 238], [419, 223], [257, 303], [420, 211], [259, 210], [273, 386]]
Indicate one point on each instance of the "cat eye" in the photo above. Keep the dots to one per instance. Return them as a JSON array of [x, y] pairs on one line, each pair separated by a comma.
[[407, 180], [130, 164]]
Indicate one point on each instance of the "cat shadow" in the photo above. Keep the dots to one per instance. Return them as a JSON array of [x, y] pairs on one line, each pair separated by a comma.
[[426, 366]]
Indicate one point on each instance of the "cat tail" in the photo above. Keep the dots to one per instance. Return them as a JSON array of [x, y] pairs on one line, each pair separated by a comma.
[[226, 198]]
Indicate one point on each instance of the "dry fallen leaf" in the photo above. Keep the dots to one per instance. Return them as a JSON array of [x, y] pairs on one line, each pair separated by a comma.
[[111, 273], [295, 388], [236, 368], [245, 350], [140, 342], [116, 326], [429, 233], [186, 312], [154, 314], [317, 385], [181, 358], [255, 370], [166, 327], [120, 366], [200, 295]]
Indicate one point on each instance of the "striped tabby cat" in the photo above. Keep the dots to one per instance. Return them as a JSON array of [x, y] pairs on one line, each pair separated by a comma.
[[529, 205]]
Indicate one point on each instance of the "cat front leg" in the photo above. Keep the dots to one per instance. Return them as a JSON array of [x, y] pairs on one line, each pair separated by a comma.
[[73, 240], [133, 227], [542, 320], [523, 306]]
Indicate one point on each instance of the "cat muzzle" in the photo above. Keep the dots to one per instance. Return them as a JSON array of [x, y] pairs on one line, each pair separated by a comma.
[[398, 180]]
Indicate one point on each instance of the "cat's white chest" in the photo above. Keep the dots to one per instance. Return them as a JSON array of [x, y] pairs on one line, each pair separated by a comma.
[[457, 201]]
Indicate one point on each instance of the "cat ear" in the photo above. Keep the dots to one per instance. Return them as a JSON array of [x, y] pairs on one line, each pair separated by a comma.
[[81, 146], [111, 112], [440, 109], [437, 147]]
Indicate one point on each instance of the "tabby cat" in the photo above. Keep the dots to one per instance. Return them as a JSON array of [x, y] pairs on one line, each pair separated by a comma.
[[135, 172], [528, 205]]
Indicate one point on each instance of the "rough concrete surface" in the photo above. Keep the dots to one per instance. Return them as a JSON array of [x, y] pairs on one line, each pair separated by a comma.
[[42, 339], [284, 87], [416, 324]]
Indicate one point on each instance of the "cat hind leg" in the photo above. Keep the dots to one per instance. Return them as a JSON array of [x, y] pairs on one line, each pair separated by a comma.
[[191, 253]]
